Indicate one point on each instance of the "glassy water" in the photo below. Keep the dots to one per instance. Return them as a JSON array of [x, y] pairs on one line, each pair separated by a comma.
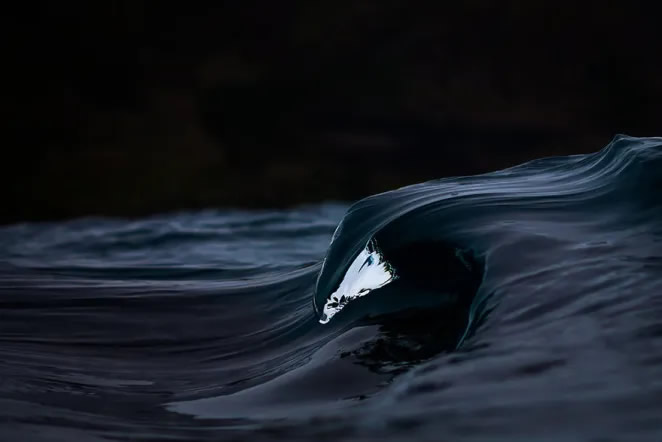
[[525, 304]]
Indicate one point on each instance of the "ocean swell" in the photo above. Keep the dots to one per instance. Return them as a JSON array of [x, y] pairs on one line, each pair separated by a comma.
[[546, 202], [488, 307]]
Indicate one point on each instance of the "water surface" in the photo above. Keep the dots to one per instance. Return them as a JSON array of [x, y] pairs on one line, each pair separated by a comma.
[[525, 304]]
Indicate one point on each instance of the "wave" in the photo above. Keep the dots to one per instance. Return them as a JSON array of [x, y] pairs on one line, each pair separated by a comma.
[[470, 237], [470, 307]]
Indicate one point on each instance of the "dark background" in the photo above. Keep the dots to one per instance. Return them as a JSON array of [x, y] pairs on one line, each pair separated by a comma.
[[129, 107]]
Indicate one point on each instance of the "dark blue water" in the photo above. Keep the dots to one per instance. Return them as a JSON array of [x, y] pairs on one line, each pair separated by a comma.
[[527, 305]]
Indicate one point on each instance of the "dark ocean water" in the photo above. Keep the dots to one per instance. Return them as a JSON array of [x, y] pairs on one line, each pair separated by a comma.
[[521, 305]]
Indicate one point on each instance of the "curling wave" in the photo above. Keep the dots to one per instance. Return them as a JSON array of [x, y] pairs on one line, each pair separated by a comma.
[[475, 308]]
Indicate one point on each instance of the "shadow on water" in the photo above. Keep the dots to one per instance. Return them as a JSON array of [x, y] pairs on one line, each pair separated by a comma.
[[427, 310]]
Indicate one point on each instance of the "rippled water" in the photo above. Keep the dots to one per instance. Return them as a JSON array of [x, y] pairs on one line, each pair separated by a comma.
[[525, 304]]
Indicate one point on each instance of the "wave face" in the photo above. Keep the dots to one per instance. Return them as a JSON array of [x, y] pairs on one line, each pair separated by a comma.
[[524, 304]]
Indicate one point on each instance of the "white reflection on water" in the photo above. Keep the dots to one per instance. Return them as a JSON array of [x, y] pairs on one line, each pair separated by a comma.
[[368, 272]]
